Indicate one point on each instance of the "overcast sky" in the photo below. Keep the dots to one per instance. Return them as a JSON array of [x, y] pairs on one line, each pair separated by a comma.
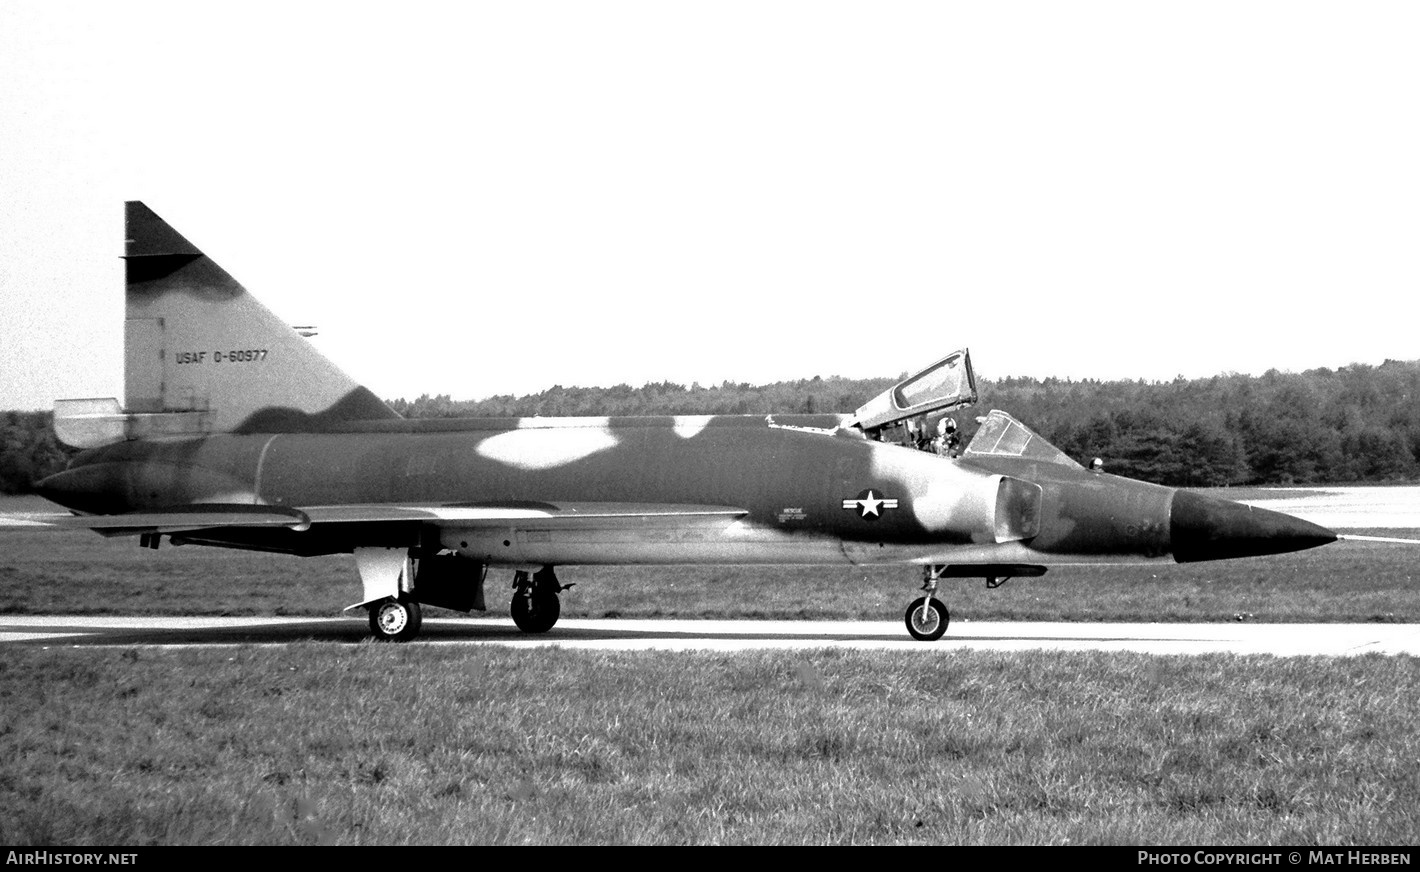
[[483, 198]]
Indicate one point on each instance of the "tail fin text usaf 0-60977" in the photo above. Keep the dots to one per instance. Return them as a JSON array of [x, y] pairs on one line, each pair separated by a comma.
[[237, 433]]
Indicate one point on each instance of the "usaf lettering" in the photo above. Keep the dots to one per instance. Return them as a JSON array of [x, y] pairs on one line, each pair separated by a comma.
[[191, 356]]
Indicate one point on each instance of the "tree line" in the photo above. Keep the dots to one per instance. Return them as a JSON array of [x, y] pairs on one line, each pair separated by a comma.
[[28, 450], [1359, 423]]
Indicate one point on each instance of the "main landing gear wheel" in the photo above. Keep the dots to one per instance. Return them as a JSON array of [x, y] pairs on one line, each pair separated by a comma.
[[536, 613], [536, 604], [926, 619], [395, 620]]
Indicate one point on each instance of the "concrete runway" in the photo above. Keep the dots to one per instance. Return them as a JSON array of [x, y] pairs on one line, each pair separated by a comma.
[[640, 635], [1347, 507]]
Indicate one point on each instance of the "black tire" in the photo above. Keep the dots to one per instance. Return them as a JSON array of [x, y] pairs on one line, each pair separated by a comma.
[[924, 624], [395, 620], [537, 613]]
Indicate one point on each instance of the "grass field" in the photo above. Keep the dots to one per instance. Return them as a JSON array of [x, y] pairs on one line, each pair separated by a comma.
[[382, 744], [376, 744]]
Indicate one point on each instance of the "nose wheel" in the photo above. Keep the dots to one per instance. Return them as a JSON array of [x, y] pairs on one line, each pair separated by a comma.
[[926, 619]]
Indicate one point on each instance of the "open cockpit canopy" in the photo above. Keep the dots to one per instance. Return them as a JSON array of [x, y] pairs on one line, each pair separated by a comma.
[[945, 385]]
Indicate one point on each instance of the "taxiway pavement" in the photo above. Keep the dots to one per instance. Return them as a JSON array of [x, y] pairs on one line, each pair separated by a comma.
[[716, 635]]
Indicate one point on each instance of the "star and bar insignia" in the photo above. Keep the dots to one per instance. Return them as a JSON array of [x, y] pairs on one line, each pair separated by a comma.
[[870, 505]]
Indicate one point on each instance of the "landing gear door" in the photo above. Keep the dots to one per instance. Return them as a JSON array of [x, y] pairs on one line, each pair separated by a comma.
[[945, 385]]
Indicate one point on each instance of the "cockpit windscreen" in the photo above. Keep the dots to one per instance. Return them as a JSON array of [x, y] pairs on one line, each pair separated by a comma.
[[1000, 435]]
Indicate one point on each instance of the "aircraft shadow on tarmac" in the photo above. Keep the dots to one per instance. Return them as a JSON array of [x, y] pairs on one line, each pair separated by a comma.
[[96, 633]]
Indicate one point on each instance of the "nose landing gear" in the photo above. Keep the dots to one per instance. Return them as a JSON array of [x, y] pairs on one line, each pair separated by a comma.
[[927, 617]]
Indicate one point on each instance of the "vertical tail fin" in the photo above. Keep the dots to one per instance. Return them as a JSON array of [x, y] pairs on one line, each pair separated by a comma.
[[197, 342]]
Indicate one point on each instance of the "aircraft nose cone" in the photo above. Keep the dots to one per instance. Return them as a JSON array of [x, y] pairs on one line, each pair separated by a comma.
[[1207, 528]]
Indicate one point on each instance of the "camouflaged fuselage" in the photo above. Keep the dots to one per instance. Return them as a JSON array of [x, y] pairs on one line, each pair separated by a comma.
[[809, 493]]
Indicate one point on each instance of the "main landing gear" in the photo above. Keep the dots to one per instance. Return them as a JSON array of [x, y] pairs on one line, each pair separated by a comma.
[[536, 605], [396, 620], [448, 582]]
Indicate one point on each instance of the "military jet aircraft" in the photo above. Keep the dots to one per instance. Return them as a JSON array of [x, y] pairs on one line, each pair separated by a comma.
[[237, 433]]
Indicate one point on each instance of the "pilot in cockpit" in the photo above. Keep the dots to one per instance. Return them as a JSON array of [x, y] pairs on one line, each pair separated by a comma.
[[948, 442]]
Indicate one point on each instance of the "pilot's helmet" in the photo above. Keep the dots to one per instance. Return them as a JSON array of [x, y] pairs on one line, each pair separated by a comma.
[[946, 425]]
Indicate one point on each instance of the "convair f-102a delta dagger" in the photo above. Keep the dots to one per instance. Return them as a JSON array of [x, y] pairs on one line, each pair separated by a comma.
[[237, 433]]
